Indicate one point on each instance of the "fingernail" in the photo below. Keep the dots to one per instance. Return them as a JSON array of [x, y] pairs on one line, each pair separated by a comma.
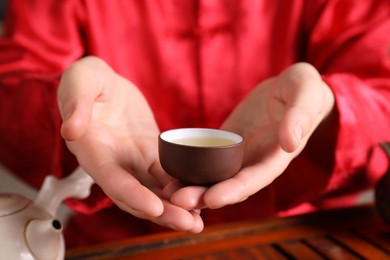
[[67, 114], [298, 134], [172, 226]]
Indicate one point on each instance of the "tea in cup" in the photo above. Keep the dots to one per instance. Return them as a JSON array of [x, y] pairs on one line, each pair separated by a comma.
[[201, 156]]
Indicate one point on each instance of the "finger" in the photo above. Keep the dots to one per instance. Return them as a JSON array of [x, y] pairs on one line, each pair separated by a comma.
[[187, 197], [247, 182], [190, 197], [157, 172], [176, 218], [173, 217], [124, 189], [171, 188], [198, 222]]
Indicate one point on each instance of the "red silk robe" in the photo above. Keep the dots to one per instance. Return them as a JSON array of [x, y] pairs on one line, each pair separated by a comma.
[[194, 60]]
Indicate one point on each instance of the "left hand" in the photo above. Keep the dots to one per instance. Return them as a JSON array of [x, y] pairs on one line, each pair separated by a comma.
[[276, 119], [109, 126]]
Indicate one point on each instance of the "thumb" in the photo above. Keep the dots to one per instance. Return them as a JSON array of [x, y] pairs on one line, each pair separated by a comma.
[[76, 114], [295, 125], [307, 101], [79, 87]]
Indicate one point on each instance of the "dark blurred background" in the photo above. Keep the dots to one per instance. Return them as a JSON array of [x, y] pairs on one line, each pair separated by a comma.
[[3, 3], [2, 7]]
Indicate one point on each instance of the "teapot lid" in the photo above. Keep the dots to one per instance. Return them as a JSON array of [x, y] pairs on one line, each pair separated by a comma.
[[11, 203]]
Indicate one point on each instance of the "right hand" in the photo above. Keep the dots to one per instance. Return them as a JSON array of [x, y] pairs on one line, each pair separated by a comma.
[[277, 118]]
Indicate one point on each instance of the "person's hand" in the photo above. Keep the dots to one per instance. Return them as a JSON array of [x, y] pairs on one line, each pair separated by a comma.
[[110, 128], [276, 119]]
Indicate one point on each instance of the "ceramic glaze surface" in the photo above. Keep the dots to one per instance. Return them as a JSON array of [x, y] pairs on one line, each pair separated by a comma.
[[29, 229], [15, 224], [201, 156]]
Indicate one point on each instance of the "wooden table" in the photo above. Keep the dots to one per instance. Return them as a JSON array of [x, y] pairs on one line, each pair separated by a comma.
[[353, 233]]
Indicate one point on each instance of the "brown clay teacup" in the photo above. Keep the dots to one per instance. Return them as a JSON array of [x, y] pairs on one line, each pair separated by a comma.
[[201, 156]]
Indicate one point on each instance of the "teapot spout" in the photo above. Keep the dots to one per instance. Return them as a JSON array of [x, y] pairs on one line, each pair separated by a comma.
[[44, 238]]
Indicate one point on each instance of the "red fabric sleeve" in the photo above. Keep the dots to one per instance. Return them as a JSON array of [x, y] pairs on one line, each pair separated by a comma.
[[34, 51], [354, 56], [349, 44], [47, 36]]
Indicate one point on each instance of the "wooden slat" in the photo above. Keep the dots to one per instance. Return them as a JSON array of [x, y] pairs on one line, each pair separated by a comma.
[[329, 248], [267, 252], [298, 250], [378, 235], [248, 253], [360, 246], [353, 233]]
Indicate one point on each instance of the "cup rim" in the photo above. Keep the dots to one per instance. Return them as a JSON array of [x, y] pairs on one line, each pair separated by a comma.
[[166, 136]]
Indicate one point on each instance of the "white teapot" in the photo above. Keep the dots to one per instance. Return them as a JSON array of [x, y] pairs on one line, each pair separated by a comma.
[[29, 229]]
